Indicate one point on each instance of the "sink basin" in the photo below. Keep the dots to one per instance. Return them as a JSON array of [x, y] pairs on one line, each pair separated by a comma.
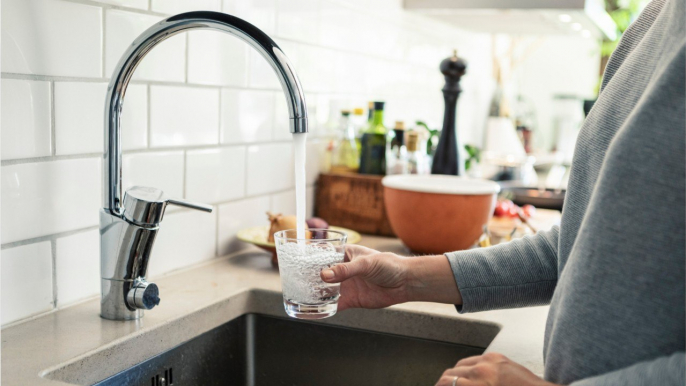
[[256, 349], [245, 339]]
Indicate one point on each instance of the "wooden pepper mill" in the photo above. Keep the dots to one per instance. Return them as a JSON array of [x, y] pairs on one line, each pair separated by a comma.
[[446, 159]]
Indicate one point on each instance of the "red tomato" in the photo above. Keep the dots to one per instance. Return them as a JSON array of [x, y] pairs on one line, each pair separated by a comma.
[[529, 210], [503, 208], [514, 211]]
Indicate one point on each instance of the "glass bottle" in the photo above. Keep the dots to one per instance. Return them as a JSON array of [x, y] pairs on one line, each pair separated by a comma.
[[396, 153], [359, 123], [346, 156], [417, 160], [373, 155]]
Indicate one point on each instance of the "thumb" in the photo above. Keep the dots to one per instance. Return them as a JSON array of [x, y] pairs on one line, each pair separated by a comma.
[[345, 271]]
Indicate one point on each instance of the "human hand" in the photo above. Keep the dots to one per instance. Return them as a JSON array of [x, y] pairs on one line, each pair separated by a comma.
[[369, 278], [373, 279], [490, 369]]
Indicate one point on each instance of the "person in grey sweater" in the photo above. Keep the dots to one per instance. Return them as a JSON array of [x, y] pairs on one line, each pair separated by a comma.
[[613, 272]]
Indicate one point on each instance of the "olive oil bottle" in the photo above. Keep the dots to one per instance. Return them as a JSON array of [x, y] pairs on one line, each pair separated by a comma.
[[373, 154], [346, 156]]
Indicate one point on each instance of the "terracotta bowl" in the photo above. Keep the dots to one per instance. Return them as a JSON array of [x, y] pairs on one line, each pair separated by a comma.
[[434, 214]]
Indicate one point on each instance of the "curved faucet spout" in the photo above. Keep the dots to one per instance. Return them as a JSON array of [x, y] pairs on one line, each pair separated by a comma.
[[150, 38]]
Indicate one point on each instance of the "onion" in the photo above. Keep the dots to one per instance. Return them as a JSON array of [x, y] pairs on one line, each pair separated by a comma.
[[280, 222]]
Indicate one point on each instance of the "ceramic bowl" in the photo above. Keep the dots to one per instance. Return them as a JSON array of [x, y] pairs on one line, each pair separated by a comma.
[[434, 214]]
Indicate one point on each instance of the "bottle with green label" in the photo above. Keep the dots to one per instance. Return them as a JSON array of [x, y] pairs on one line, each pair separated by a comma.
[[373, 154]]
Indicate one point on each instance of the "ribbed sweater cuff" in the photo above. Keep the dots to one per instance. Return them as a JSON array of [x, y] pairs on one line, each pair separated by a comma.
[[518, 274]]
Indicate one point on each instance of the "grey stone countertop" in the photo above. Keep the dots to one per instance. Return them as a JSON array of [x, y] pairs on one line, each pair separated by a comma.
[[42, 350]]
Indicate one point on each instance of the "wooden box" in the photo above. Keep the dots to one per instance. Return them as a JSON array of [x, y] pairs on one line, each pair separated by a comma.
[[353, 201]]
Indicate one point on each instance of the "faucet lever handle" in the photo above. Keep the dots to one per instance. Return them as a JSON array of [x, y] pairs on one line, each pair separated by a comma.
[[145, 206], [191, 205]]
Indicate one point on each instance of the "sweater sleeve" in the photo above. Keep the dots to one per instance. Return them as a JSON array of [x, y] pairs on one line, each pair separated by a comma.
[[520, 273], [663, 371]]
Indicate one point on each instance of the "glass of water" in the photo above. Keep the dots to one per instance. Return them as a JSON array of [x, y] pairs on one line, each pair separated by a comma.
[[305, 295]]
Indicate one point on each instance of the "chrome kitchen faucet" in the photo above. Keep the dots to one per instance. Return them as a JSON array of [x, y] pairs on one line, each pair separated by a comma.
[[129, 224]]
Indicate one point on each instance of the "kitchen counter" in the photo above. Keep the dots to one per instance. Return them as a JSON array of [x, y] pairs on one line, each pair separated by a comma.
[[202, 297]]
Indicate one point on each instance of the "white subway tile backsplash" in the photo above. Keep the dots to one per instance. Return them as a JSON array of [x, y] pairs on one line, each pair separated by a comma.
[[79, 121], [237, 215], [316, 68], [282, 120], [336, 23], [247, 116], [25, 119], [260, 13], [180, 6], [77, 262], [49, 37], [43, 198], [26, 281], [217, 58], [140, 4], [260, 73], [298, 20], [270, 168], [290, 49], [161, 170], [325, 115], [215, 175], [184, 238], [165, 62], [313, 164], [284, 202], [378, 5], [134, 118], [182, 116]]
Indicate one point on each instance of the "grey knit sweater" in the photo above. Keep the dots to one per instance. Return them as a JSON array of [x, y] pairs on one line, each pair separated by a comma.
[[613, 272]]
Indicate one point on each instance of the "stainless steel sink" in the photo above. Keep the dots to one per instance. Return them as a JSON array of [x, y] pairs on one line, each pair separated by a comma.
[[264, 350], [246, 339]]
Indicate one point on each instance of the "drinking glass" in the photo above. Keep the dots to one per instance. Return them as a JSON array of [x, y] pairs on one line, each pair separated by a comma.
[[305, 295]]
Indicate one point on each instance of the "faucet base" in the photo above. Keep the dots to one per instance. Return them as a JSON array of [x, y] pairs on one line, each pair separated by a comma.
[[113, 301]]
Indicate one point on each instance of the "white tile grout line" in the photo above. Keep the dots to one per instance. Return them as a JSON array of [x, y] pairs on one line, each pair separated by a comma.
[[414, 94], [216, 230], [184, 172], [151, 150], [388, 58], [185, 58], [103, 55], [53, 237], [53, 137], [9, 75], [148, 99], [118, 7], [219, 132], [245, 171], [49, 158], [430, 28], [53, 249], [403, 25]]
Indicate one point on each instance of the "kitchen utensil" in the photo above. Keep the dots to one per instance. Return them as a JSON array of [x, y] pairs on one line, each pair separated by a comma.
[[446, 160], [540, 198]]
